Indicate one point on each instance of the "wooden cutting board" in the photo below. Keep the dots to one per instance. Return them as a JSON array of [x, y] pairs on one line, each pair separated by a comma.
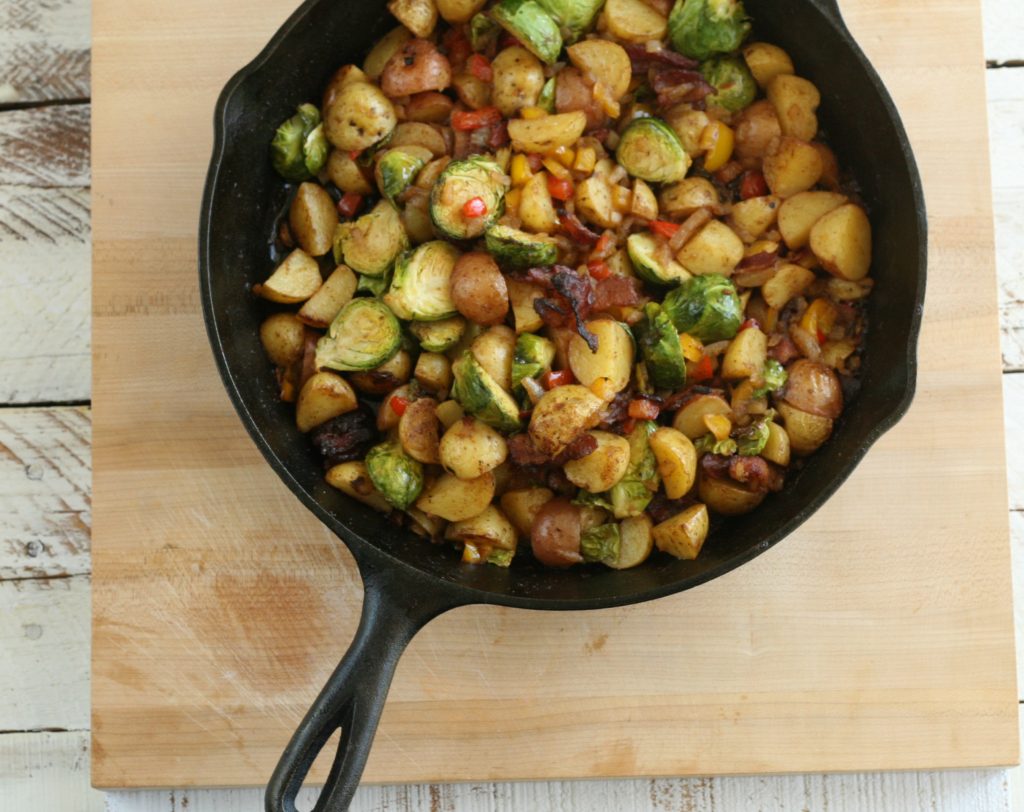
[[879, 636]]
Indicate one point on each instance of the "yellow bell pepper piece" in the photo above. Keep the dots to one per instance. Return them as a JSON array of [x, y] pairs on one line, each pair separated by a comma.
[[693, 349], [520, 170], [819, 318], [555, 167], [719, 425], [604, 388], [717, 141], [471, 554], [564, 155], [530, 113], [586, 159]]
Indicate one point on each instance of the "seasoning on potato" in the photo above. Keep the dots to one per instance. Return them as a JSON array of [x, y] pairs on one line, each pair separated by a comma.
[[571, 281]]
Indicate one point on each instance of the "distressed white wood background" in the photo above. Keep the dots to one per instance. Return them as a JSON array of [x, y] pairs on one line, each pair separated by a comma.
[[44, 471]]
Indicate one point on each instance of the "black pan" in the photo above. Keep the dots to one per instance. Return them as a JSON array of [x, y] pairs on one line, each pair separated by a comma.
[[408, 582]]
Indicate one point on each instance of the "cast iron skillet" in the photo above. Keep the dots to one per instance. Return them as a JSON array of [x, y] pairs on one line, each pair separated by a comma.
[[407, 582]]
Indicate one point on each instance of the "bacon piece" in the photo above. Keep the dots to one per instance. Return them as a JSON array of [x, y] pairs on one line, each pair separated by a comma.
[[661, 508], [715, 465], [344, 438], [756, 473], [642, 60], [523, 452], [784, 351], [758, 261], [580, 447], [573, 226], [673, 85], [616, 291]]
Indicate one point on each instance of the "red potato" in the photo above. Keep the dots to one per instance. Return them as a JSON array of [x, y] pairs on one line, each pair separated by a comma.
[[756, 128], [478, 289], [415, 68], [555, 535], [574, 92], [813, 388]]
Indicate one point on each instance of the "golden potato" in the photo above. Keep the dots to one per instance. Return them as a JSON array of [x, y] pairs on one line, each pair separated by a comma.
[[613, 359], [489, 527], [634, 21], [777, 448], [562, 415], [387, 417], [677, 461], [283, 338], [607, 62], [495, 350], [419, 16], [471, 448], [766, 61], [795, 100], [814, 388], [536, 208], [726, 497], [382, 379], [714, 249], [594, 202], [752, 217], [521, 507], [689, 125], [599, 470], [312, 218], [757, 129], [419, 134], [683, 535], [359, 117], [644, 204], [546, 133], [790, 280], [336, 292], [457, 499], [352, 478], [323, 397], [688, 195], [459, 11], [449, 413], [745, 356], [522, 296], [794, 167], [471, 90], [806, 432], [479, 290], [841, 240], [433, 372], [690, 417], [798, 214], [635, 542], [294, 281], [518, 80], [346, 174], [418, 430], [386, 47]]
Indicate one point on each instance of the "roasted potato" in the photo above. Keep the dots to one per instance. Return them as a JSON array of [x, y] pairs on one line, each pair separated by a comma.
[[546, 133], [766, 61], [726, 497], [360, 116], [490, 527], [613, 359], [419, 16], [690, 417], [536, 208], [806, 432], [796, 101], [745, 356], [841, 240], [790, 280], [684, 534], [798, 214], [521, 507], [757, 129], [336, 292], [459, 11], [752, 217], [814, 388], [346, 174], [607, 62], [418, 431], [555, 534], [685, 197], [777, 448], [457, 499], [562, 415], [518, 79], [677, 461], [324, 396], [635, 542], [715, 249], [601, 469], [417, 133], [294, 280], [352, 478], [479, 289], [494, 350], [634, 21], [283, 337], [521, 296], [795, 166], [433, 372], [470, 448], [381, 53]]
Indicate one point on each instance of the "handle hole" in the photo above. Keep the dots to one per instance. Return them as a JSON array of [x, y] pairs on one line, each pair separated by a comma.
[[312, 786]]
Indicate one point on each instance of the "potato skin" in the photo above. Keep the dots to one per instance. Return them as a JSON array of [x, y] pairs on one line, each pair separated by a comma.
[[478, 288], [283, 338], [416, 67], [573, 92], [359, 117], [471, 448], [518, 79], [323, 397], [418, 430], [603, 467], [457, 499], [562, 415], [312, 218], [814, 388], [429, 107], [756, 128], [555, 535], [458, 11]]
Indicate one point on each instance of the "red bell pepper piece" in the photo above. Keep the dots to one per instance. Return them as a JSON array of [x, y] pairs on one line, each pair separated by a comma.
[[663, 228], [466, 120]]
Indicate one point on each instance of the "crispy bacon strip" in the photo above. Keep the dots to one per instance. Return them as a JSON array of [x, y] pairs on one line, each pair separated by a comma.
[[643, 60], [675, 85], [756, 473], [574, 228], [616, 291]]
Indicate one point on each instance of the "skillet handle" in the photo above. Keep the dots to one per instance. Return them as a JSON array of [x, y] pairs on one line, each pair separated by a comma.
[[394, 609]]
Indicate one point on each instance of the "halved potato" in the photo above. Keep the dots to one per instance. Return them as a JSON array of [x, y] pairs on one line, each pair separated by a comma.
[[449, 413], [727, 497], [794, 167], [841, 240], [635, 542], [606, 61], [471, 448], [690, 417], [283, 338], [536, 209], [683, 535], [521, 296], [419, 134], [419, 16], [807, 432], [336, 292], [546, 133], [677, 461], [495, 350], [634, 21], [562, 415], [418, 430], [686, 196], [457, 499], [613, 359], [386, 47], [777, 448], [353, 479], [603, 467], [715, 249], [294, 281], [800, 212], [312, 219], [387, 417], [795, 100], [323, 397], [490, 527], [790, 280], [752, 217], [521, 507], [745, 356], [433, 372], [345, 173], [766, 61], [459, 11]]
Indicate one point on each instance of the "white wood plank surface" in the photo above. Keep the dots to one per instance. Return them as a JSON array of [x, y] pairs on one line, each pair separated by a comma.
[[47, 772], [46, 50], [1002, 31]]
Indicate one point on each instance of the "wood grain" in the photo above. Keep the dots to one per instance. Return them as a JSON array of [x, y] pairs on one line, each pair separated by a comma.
[[45, 146], [873, 645], [47, 771], [1013, 394], [45, 54], [45, 500]]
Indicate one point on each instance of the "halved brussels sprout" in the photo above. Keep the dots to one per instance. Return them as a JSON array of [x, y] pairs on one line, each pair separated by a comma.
[[659, 344], [528, 22], [601, 544], [421, 287], [734, 84], [482, 397], [371, 243], [649, 149], [532, 358], [751, 440], [374, 285], [299, 149], [700, 28], [706, 307], [363, 335], [398, 167], [642, 248], [775, 377], [574, 17], [438, 336], [461, 181], [517, 249], [395, 474], [635, 490], [546, 99], [482, 31]]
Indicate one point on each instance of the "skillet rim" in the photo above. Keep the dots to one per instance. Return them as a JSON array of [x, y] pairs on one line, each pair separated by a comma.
[[368, 554]]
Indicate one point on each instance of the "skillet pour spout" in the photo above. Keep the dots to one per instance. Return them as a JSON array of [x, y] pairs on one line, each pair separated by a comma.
[[407, 582]]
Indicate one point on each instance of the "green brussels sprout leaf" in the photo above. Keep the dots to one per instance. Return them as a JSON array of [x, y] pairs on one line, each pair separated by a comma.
[[421, 287], [734, 84], [709, 445], [299, 148], [438, 336], [659, 343], [395, 474], [775, 377], [371, 243], [482, 31], [649, 149], [642, 248], [631, 495], [707, 307], [528, 22], [515, 249], [460, 182], [546, 99], [574, 17], [532, 358], [482, 396], [601, 544], [700, 28], [363, 335], [751, 440]]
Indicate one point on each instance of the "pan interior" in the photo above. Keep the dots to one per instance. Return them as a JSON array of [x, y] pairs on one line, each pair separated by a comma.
[[244, 196]]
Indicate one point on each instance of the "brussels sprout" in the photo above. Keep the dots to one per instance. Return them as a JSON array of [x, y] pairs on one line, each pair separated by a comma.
[[751, 440], [532, 358], [371, 243], [299, 149], [659, 344], [601, 544], [500, 558], [460, 182], [706, 307], [649, 149], [546, 99], [574, 17], [734, 84], [397, 169], [518, 249], [774, 378], [585, 498], [482, 31], [635, 490], [528, 22], [363, 335], [642, 248], [438, 336], [700, 28], [395, 474], [708, 444], [421, 287], [481, 396], [374, 285]]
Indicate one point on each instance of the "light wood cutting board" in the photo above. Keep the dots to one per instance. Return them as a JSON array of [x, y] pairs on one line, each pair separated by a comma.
[[877, 637]]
